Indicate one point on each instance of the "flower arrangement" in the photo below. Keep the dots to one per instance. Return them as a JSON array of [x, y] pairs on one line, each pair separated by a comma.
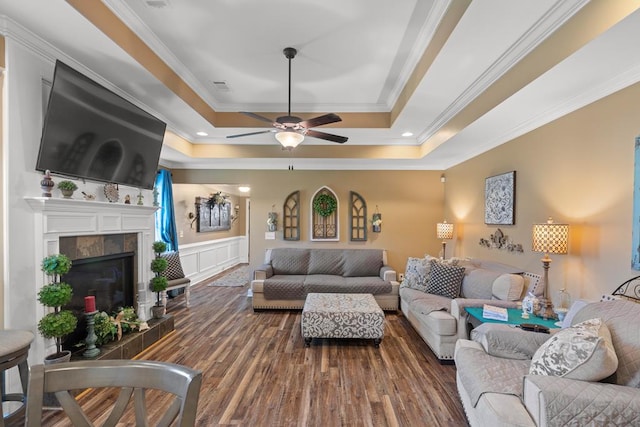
[[272, 221], [376, 222], [110, 328], [324, 205], [217, 199]]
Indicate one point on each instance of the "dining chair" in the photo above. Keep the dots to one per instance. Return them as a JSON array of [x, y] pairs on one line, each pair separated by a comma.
[[133, 377]]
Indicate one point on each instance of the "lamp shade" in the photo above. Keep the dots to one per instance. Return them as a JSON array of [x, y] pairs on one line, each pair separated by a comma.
[[289, 138], [551, 238], [444, 230]]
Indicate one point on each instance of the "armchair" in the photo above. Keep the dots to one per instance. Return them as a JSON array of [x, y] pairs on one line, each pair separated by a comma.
[[499, 384]]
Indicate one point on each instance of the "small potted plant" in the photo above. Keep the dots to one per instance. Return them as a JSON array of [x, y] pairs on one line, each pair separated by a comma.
[[159, 282], [59, 323], [67, 188]]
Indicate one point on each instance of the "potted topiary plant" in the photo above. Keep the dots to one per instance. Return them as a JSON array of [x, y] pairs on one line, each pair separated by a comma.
[[59, 323], [67, 188], [159, 282]]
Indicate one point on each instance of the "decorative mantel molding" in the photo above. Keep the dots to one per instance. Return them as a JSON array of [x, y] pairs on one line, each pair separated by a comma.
[[56, 217]]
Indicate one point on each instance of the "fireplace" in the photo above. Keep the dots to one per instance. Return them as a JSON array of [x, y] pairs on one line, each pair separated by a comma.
[[82, 229], [109, 278]]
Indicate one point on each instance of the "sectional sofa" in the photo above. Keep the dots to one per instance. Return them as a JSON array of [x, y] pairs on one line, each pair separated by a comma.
[[289, 274], [587, 373], [434, 294]]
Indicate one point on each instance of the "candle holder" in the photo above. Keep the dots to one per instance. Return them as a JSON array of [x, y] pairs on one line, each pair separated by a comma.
[[91, 351]]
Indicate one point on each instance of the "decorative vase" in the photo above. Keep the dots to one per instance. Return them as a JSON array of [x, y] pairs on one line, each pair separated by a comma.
[[46, 184], [272, 221], [376, 226], [49, 400], [67, 193], [157, 311]]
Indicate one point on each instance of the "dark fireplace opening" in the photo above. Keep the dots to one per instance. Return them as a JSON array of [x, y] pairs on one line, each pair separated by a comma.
[[110, 278]]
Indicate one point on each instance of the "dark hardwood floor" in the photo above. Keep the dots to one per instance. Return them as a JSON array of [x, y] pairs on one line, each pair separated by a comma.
[[257, 371]]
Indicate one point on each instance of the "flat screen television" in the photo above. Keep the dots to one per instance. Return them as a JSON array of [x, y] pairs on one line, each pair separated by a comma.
[[92, 133]]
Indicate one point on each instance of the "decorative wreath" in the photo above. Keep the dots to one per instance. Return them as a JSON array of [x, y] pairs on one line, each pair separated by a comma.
[[324, 205]]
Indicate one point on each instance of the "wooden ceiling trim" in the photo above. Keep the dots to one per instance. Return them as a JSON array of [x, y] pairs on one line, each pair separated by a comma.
[[588, 23]]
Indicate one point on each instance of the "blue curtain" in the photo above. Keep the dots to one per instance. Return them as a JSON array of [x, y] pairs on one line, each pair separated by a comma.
[[166, 216]]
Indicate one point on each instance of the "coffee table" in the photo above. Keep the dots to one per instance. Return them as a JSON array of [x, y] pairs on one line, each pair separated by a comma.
[[332, 315]]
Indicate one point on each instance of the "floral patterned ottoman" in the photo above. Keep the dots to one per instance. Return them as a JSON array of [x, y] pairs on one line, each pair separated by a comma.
[[327, 315]]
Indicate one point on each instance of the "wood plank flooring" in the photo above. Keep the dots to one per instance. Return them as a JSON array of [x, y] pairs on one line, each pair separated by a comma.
[[257, 371]]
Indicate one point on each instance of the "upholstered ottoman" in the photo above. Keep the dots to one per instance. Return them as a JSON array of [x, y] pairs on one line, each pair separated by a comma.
[[327, 315]]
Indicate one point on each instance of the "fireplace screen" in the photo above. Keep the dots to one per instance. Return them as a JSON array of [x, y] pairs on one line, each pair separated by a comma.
[[110, 278]]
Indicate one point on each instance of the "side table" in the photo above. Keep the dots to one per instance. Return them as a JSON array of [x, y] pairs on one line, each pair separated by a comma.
[[515, 318]]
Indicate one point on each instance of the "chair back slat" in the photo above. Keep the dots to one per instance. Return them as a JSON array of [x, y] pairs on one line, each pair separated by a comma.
[[131, 376]]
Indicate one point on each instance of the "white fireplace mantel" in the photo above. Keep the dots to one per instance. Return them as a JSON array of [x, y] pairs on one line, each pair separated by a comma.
[[56, 217]]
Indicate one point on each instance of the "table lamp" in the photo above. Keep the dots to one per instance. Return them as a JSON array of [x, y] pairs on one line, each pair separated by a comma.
[[444, 231], [549, 238]]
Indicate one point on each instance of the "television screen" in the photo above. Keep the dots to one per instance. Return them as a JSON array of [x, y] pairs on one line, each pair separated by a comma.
[[91, 133]]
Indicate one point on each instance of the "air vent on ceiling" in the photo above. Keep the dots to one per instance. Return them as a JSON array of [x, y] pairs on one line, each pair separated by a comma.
[[221, 86], [157, 4]]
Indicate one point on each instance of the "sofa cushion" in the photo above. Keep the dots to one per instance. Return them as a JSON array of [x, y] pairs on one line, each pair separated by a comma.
[[507, 287], [416, 273], [478, 283], [619, 315], [288, 286], [430, 304], [362, 262], [445, 279], [581, 352], [326, 261], [323, 283], [290, 261]]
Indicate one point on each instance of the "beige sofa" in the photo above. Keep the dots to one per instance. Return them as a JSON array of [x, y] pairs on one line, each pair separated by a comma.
[[442, 320], [289, 274], [571, 383]]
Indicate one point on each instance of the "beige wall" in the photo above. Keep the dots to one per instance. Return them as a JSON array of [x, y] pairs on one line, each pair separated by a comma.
[[411, 203], [184, 196], [579, 170]]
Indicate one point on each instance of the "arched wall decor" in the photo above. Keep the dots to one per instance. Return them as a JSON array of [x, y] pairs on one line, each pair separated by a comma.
[[324, 210], [357, 217], [291, 217]]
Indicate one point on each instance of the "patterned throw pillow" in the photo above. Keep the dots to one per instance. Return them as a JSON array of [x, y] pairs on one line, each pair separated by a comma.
[[581, 352], [445, 279], [416, 274], [174, 267]]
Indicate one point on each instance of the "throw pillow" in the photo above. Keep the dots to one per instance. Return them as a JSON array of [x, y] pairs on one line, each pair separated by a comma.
[[174, 267], [416, 274], [445, 280], [507, 287], [581, 352]]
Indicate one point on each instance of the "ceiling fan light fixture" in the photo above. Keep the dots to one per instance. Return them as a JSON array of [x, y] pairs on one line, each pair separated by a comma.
[[289, 138]]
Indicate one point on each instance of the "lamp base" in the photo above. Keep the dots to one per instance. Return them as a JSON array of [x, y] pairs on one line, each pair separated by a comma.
[[546, 309]]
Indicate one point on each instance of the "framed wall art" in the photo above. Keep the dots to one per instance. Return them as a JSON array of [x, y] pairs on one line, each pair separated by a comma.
[[212, 216], [500, 199]]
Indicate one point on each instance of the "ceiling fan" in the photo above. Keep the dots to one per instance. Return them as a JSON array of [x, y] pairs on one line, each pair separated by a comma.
[[291, 130]]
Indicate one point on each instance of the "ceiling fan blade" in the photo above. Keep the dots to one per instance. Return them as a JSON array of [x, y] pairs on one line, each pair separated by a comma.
[[328, 136], [250, 133], [257, 116], [321, 120]]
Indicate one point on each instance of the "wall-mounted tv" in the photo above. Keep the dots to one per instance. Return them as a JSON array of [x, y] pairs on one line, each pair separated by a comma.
[[92, 133]]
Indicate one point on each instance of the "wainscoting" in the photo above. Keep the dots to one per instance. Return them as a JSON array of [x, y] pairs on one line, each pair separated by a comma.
[[205, 259]]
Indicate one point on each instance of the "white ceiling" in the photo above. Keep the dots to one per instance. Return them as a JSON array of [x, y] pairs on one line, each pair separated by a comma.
[[505, 68]]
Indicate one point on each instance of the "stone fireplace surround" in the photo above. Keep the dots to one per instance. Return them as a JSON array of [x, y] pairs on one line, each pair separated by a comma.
[[89, 227]]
